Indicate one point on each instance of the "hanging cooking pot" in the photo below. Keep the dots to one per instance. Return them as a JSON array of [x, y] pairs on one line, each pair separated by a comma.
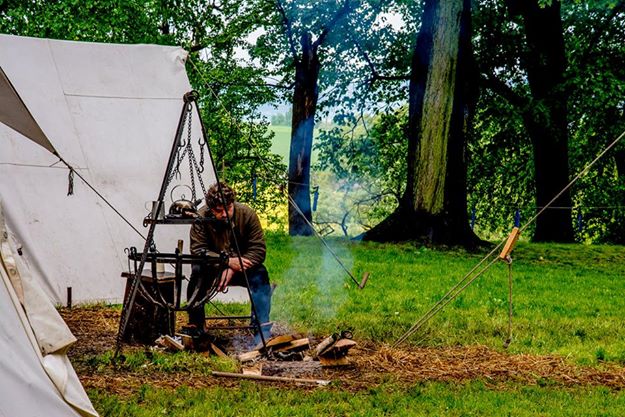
[[182, 208]]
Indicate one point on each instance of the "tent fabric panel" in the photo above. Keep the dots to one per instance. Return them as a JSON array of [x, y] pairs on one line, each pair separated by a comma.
[[119, 143], [50, 330], [117, 71], [66, 236], [62, 373], [22, 376], [47, 377]]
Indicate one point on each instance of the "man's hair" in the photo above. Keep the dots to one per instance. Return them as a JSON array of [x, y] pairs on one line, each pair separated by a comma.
[[213, 196]]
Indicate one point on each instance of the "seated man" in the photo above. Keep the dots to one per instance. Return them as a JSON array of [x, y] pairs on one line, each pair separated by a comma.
[[215, 236]]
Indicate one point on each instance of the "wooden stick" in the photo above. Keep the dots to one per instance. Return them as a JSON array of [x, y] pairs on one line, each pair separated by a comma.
[[363, 282], [321, 382]]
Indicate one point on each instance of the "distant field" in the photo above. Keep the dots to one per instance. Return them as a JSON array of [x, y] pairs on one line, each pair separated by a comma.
[[282, 140]]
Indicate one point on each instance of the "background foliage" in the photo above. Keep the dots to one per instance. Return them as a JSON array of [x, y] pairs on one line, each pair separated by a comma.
[[240, 60]]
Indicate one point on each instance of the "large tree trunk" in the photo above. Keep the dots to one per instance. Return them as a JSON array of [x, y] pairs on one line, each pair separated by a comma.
[[546, 121], [433, 207], [303, 123]]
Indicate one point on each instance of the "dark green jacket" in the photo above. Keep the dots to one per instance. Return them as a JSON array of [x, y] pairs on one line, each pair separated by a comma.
[[215, 236]]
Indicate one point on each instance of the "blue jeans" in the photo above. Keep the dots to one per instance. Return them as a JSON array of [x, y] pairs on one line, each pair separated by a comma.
[[258, 278]]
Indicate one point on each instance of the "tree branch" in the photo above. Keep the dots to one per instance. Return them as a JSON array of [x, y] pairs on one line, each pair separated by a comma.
[[218, 84], [620, 7], [196, 48], [340, 13], [288, 29], [389, 78], [365, 55], [502, 89], [375, 74]]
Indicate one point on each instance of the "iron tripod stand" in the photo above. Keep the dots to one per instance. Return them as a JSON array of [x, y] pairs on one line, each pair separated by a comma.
[[180, 149]]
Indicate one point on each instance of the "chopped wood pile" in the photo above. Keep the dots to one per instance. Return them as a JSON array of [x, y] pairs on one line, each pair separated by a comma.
[[332, 351]]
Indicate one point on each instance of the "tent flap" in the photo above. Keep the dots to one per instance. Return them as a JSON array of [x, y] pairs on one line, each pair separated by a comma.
[[16, 115]]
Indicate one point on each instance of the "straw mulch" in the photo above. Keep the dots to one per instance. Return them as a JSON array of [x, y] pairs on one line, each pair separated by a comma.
[[464, 363], [372, 364]]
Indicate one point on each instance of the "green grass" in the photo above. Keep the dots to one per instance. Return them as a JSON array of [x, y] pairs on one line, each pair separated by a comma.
[[568, 299], [424, 399]]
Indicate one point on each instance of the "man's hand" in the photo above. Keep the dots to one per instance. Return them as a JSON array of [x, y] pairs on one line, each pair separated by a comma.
[[225, 278], [233, 263]]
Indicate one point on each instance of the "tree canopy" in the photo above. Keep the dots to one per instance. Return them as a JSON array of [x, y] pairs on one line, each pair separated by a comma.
[[542, 87]]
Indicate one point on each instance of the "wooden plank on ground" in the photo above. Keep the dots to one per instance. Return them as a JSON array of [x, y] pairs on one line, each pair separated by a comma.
[[272, 378]]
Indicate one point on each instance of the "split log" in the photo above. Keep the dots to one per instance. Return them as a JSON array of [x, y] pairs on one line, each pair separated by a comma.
[[187, 341], [294, 346], [325, 344], [248, 356], [218, 351], [169, 342], [276, 341]]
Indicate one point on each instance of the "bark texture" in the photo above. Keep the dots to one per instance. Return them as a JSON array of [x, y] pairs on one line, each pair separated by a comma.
[[305, 97], [546, 120], [433, 208]]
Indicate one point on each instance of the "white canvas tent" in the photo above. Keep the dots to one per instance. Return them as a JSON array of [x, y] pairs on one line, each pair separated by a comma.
[[36, 376], [110, 111]]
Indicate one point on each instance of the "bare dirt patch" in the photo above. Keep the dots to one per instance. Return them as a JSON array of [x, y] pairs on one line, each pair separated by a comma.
[[372, 364]]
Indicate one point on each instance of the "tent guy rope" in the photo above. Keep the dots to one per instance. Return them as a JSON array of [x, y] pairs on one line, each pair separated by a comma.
[[457, 289]]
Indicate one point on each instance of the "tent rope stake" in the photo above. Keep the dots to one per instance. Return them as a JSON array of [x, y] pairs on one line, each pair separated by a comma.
[[454, 291], [507, 342]]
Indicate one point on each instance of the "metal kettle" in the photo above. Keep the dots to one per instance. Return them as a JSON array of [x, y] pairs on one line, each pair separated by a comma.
[[183, 208]]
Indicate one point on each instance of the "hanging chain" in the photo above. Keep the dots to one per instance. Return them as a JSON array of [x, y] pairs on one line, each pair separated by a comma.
[[191, 173], [175, 171], [189, 148], [183, 144], [199, 177], [201, 142]]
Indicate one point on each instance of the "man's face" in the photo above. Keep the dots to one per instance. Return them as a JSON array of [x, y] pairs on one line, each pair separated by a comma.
[[220, 212]]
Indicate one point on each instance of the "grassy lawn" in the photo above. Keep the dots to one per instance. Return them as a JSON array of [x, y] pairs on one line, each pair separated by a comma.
[[568, 299], [422, 399], [568, 302]]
